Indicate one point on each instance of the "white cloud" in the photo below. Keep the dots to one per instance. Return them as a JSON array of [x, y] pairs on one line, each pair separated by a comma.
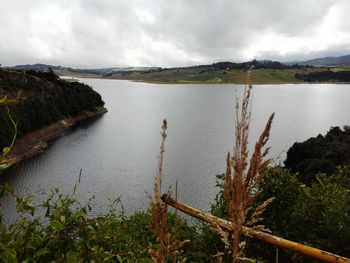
[[100, 33]]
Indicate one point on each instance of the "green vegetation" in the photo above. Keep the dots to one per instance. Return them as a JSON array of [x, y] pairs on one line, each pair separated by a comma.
[[45, 99], [320, 154], [327, 75], [212, 75], [61, 230], [315, 215]]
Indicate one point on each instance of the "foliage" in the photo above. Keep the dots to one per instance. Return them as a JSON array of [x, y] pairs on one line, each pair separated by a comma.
[[317, 215], [61, 229], [319, 154]]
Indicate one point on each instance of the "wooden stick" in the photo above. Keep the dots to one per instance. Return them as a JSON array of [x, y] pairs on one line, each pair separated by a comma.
[[264, 237]]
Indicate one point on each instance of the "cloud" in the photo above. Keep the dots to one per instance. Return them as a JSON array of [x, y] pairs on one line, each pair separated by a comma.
[[100, 33]]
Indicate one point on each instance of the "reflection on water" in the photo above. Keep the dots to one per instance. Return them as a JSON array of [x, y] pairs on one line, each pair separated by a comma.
[[117, 152]]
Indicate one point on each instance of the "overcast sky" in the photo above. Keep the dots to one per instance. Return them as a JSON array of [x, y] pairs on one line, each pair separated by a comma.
[[105, 33]]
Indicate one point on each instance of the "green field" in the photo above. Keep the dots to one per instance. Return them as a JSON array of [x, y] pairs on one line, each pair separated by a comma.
[[210, 76], [214, 75]]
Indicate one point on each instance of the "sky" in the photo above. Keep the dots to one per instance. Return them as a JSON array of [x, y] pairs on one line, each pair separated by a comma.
[[170, 33]]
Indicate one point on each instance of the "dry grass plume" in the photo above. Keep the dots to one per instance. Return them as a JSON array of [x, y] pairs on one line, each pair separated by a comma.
[[167, 247], [241, 180]]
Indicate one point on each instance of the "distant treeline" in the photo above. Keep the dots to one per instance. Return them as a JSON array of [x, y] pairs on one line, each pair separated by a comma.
[[326, 75], [44, 99], [255, 63]]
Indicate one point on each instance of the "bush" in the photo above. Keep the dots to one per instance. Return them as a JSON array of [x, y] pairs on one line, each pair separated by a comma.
[[61, 229], [315, 215], [319, 154]]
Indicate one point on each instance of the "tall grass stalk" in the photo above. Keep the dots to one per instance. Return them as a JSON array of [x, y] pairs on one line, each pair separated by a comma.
[[242, 181], [167, 248]]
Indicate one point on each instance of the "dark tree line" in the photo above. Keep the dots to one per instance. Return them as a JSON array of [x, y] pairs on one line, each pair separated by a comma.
[[323, 76], [264, 64], [257, 64]]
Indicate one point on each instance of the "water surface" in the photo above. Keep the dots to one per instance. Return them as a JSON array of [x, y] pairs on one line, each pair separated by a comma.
[[117, 152]]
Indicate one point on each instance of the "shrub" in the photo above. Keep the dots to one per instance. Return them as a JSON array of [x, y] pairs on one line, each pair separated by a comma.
[[319, 154], [316, 215]]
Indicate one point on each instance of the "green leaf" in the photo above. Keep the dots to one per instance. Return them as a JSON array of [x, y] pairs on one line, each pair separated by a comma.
[[8, 255], [71, 257], [6, 150], [56, 225], [43, 251], [108, 258]]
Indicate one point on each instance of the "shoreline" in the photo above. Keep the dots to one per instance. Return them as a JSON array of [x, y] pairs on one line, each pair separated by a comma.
[[182, 82], [36, 142], [185, 82]]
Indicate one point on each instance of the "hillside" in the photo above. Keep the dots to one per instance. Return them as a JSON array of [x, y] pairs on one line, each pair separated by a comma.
[[342, 61], [264, 72], [47, 105], [221, 72]]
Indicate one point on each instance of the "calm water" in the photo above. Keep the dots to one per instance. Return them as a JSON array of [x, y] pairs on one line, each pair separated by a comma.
[[117, 152]]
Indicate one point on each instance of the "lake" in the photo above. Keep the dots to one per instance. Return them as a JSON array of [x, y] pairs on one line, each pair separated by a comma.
[[118, 152]]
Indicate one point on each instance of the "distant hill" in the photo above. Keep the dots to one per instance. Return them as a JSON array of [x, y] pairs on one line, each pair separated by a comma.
[[219, 72], [258, 64], [61, 70], [343, 61], [265, 72]]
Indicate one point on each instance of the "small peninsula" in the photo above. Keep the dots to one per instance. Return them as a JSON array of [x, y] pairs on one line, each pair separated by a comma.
[[44, 107]]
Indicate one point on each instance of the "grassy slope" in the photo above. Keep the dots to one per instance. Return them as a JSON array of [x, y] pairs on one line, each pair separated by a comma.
[[261, 76], [210, 76]]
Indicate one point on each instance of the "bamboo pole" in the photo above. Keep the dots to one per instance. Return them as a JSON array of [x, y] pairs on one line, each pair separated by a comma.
[[264, 237]]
